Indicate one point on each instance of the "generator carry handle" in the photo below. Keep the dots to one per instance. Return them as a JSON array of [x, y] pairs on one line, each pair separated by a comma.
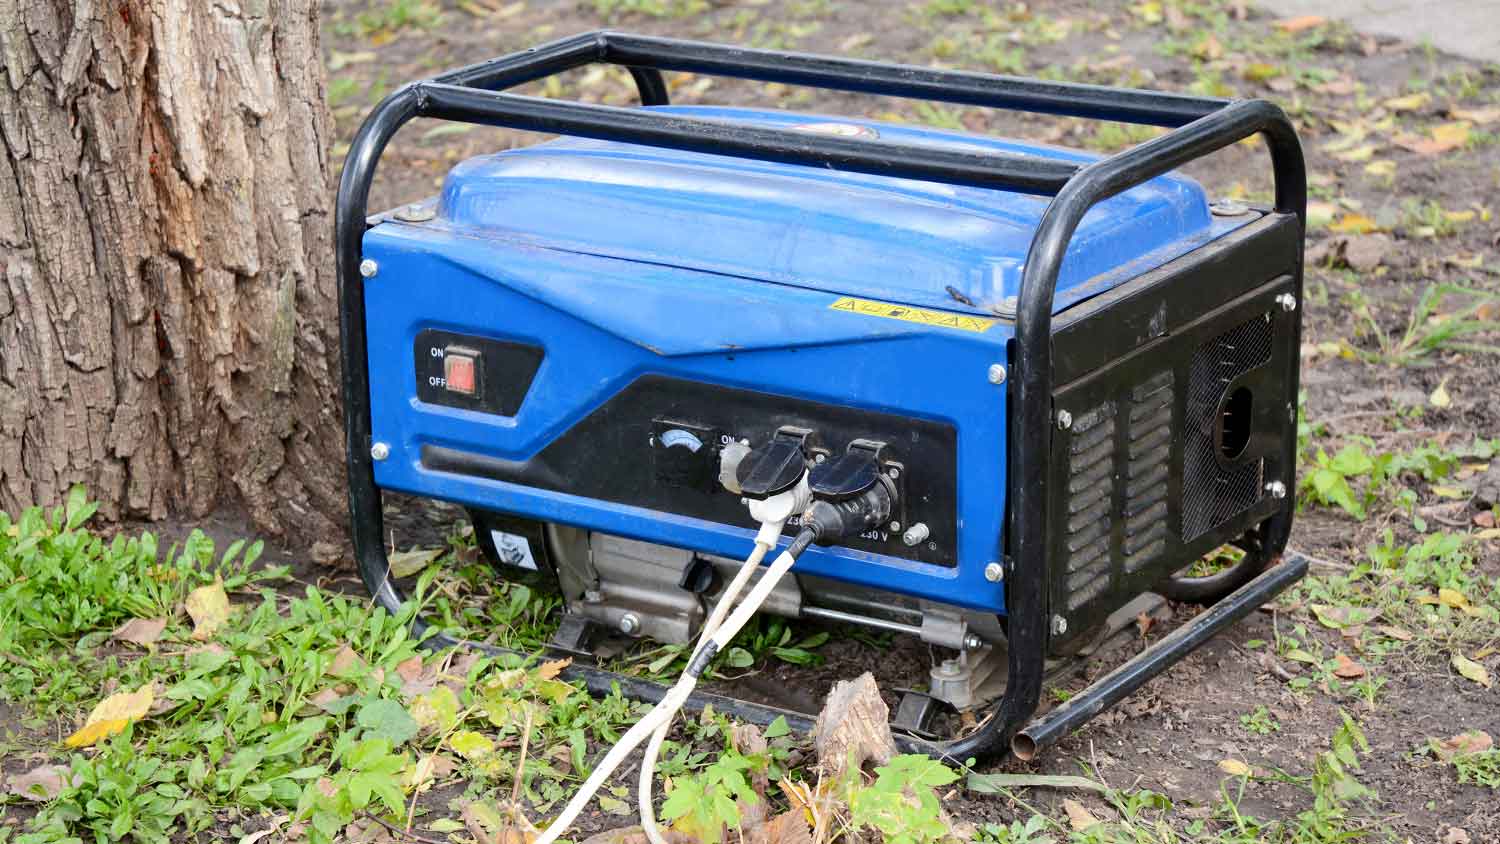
[[1199, 126]]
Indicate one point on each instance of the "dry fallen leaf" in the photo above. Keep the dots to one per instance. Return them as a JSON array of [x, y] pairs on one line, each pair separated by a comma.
[[141, 631], [1480, 116], [1143, 622], [39, 784], [1452, 598], [1079, 818], [1347, 668], [112, 715], [208, 606], [410, 669], [408, 563], [1355, 224], [1234, 768], [550, 669], [1471, 670], [1300, 23], [1474, 741], [1410, 102], [1442, 138], [1440, 397], [1396, 633], [346, 663]]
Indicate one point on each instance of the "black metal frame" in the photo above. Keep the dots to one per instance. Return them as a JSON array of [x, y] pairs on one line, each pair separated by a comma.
[[1199, 126]]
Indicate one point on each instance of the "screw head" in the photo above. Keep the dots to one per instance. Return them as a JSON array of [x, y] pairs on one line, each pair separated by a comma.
[[895, 526], [1277, 489], [997, 374], [629, 623], [380, 451], [1287, 301], [1227, 207], [893, 472], [1064, 420], [416, 213], [1059, 625], [994, 572], [949, 667], [820, 458], [368, 268], [972, 641]]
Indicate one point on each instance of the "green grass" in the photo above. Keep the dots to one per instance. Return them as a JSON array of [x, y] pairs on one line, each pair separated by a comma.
[[615, 9], [1334, 792], [312, 705], [1429, 327]]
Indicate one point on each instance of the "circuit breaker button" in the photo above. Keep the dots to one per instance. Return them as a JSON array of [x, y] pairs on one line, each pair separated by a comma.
[[461, 371]]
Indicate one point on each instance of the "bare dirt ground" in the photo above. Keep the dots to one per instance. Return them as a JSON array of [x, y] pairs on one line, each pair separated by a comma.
[[1390, 216]]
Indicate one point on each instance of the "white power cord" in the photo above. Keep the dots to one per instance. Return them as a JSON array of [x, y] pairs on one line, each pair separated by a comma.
[[772, 513], [653, 748]]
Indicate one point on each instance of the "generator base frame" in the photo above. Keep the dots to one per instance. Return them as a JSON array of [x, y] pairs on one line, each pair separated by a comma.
[[1198, 126]]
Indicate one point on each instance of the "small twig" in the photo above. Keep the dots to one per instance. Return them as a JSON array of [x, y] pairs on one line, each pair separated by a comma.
[[475, 826], [1319, 561], [1094, 760], [515, 792], [403, 833]]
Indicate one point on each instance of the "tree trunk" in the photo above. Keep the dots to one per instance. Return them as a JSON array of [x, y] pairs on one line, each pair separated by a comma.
[[167, 299]]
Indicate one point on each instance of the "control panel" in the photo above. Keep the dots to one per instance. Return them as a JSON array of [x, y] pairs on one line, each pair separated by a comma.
[[673, 445]]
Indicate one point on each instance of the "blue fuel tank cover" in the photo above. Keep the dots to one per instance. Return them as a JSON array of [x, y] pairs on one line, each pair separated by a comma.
[[901, 240]]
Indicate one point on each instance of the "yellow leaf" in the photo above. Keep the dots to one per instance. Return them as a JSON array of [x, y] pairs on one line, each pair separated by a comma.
[[1357, 154], [112, 715], [1261, 72], [1320, 214], [209, 608], [1354, 224], [1488, 533], [1384, 168], [1471, 670], [1440, 397], [471, 745], [1453, 135], [419, 774], [1449, 492], [550, 669], [1235, 768], [1442, 138], [1410, 102], [1078, 817], [1150, 11]]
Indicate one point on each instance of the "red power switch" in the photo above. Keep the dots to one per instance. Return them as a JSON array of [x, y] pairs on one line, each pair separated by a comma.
[[461, 370]]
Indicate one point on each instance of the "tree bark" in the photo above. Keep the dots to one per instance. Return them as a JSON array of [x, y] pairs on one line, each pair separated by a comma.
[[167, 300]]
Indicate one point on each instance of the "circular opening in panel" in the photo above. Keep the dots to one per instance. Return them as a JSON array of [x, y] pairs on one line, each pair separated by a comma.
[[1234, 423]]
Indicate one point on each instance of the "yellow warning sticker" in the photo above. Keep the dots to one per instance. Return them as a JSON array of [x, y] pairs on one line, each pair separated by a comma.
[[906, 313]]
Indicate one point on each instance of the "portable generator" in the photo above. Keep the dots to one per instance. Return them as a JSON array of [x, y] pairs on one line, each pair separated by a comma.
[[996, 394]]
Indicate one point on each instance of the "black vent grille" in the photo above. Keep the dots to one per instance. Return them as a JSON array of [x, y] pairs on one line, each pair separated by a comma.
[[1213, 492], [1147, 470], [1091, 485]]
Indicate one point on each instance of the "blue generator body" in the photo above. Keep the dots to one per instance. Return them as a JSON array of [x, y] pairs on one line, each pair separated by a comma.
[[1075, 373], [625, 293]]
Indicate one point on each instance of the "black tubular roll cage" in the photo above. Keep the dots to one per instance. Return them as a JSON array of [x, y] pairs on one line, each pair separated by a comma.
[[1199, 126]]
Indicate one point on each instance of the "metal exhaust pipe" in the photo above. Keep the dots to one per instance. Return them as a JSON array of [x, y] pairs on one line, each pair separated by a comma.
[[1112, 687]]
